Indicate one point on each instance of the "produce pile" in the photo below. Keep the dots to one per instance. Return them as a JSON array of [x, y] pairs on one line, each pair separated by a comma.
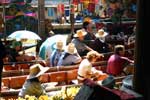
[[66, 93]]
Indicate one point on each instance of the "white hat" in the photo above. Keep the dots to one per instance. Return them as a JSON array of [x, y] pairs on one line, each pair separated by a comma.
[[85, 68], [36, 70], [59, 45], [70, 48], [80, 33], [101, 33]]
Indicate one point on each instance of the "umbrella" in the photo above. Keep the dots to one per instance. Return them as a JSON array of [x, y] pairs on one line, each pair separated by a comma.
[[48, 45], [24, 34]]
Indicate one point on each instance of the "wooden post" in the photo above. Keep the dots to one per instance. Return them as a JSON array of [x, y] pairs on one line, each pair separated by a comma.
[[41, 23], [72, 17], [41, 19], [4, 20], [141, 76], [72, 20]]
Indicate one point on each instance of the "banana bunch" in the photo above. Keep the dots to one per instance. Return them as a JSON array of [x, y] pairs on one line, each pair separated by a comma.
[[66, 94], [27, 97]]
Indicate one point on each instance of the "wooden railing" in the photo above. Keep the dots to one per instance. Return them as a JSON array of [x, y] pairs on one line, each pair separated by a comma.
[[9, 73]]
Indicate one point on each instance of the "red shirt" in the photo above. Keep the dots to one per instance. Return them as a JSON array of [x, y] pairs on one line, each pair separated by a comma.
[[116, 64]]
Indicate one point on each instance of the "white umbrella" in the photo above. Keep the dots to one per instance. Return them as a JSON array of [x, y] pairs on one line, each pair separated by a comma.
[[24, 34]]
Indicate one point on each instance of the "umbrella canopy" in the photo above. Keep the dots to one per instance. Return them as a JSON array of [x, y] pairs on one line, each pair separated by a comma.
[[48, 45], [24, 34]]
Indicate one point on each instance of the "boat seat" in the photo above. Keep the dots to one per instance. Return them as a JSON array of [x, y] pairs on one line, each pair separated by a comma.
[[59, 77], [17, 82]]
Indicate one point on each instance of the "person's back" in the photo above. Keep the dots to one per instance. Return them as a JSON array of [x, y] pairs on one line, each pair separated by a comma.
[[32, 87], [70, 56], [114, 65], [56, 54], [116, 62]]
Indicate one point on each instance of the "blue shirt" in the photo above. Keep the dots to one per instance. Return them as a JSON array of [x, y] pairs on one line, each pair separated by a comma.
[[54, 58]]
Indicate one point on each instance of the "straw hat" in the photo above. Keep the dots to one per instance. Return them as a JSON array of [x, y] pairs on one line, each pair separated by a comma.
[[59, 44], [85, 70], [36, 70], [80, 33], [70, 48], [101, 33]]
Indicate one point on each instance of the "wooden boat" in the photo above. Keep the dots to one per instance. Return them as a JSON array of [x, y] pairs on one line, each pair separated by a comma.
[[15, 83]]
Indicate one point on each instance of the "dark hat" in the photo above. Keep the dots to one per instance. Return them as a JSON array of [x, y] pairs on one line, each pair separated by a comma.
[[109, 82]]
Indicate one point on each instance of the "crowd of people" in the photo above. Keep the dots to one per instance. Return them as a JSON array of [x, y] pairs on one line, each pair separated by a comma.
[[85, 48]]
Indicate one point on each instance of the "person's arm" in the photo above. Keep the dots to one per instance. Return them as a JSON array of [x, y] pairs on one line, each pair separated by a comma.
[[88, 48], [127, 59], [77, 59]]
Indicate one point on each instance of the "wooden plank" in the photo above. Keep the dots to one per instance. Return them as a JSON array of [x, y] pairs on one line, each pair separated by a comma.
[[52, 69]]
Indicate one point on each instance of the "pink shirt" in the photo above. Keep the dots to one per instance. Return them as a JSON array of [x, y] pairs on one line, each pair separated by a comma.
[[116, 64]]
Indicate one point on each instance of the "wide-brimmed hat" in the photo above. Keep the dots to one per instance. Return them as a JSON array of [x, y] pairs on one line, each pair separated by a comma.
[[36, 70], [85, 69], [80, 33], [59, 45], [70, 48], [101, 33]]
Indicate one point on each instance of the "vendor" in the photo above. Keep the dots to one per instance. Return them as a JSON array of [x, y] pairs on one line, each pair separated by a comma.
[[86, 71], [14, 52], [32, 85]]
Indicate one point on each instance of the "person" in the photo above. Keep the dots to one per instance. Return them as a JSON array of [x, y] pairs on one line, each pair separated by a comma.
[[14, 51], [56, 54], [2, 56], [100, 45], [90, 89], [78, 39], [32, 85], [86, 71], [70, 56], [131, 39], [117, 61], [88, 27]]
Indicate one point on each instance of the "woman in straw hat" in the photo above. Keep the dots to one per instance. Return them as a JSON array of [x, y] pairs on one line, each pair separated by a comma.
[[56, 54], [100, 45], [78, 39], [32, 85], [70, 56]]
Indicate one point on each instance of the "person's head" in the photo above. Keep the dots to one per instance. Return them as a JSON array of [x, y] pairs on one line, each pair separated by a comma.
[[71, 48], [84, 70], [80, 34], [89, 25], [94, 56], [17, 45], [101, 34], [119, 49], [59, 44], [36, 71]]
